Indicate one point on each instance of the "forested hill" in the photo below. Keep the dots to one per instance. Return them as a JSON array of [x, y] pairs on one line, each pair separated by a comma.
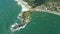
[[35, 3]]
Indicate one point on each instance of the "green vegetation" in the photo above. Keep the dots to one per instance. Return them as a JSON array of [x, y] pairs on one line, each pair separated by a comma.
[[34, 3], [27, 15], [52, 5]]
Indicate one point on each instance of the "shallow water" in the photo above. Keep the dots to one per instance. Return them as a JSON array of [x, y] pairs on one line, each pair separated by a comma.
[[42, 23], [8, 13]]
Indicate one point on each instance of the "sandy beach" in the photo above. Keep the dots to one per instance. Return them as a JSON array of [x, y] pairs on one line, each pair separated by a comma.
[[24, 5], [52, 12]]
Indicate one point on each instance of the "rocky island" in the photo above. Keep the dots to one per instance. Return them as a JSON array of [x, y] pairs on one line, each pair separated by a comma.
[[28, 6]]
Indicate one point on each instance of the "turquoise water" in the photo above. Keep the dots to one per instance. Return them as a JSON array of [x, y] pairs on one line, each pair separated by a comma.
[[9, 10], [41, 23]]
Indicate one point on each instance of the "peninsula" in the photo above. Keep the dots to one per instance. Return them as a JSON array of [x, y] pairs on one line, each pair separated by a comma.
[[29, 6]]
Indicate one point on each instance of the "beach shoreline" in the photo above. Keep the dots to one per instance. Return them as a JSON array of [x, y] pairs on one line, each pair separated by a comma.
[[26, 7]]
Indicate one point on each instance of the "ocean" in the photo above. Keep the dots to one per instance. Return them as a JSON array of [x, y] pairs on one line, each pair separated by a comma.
[[41, 23], [9, 10]]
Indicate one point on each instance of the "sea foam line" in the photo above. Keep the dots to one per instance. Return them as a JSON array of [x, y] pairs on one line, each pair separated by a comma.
[[25, 7], [13, 30]]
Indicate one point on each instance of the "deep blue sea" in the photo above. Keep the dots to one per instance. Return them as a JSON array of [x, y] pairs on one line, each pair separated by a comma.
[[41, 23]]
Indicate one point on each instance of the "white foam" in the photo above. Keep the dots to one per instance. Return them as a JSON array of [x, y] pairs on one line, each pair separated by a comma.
[[23, 4], [14, 24], [13, 30], [25, 7]]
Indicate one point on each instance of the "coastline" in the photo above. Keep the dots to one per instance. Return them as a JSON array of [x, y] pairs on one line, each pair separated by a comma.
[[45, 10], [52, 12], [26, 7]]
